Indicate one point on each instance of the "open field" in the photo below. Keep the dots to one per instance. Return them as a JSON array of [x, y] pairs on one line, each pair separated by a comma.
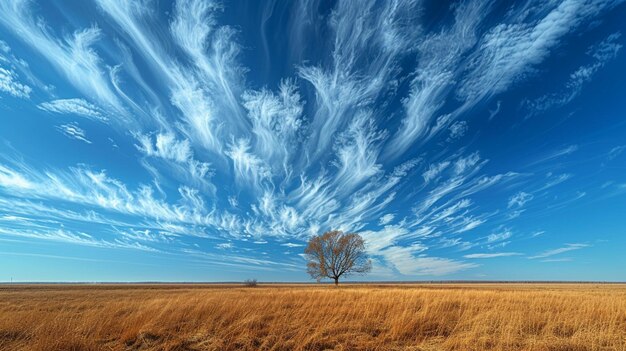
[[308, 317]]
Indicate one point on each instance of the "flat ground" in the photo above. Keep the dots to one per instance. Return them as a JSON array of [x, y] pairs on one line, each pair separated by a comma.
[[309, 317]]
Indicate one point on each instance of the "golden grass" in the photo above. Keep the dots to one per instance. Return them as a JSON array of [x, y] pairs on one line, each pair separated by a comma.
[[365, 317]]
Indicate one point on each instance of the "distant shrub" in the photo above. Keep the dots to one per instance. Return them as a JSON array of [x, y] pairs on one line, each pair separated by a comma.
[[250, 282]]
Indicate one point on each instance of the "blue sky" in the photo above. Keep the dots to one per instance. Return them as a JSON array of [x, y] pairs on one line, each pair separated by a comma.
[[207, 141]]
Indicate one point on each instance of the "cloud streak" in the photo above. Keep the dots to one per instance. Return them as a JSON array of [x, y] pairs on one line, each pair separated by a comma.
[[73, 131], [560, 250], [492, 255], [10, 84], [78, 107]]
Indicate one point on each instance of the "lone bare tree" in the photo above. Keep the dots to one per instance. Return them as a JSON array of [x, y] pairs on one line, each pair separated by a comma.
[[334, 254]]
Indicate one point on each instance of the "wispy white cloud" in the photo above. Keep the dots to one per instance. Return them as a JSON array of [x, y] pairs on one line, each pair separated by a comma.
[[434, 170], [554, 180], [224, 246], [407, 262], [10, 84], [437, 68], [386, 219], [72, 55], [552, 155], [458, 130], [249, 168], [203, 94], [165, 146], [495, 111], [276, 122], [73, 106], [291, 245], [469, 223], [537, 233], [519, 200], [4, 47], [77, 238], [507, 53], [602, 53], [351, 81], [240, 261], [96, 189], [357, 154], [384, 238], [147, 235], [73, 131], [492, 255], [511, 51], [499, 236], [177, 155], [13, 179], [213, 51], [560, 250], [564, 259], [616, 151]]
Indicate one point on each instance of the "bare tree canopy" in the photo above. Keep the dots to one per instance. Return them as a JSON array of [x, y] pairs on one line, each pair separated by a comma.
[[334, 254]]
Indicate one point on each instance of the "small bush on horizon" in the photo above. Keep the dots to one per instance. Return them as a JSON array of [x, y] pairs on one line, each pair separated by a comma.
[[250, 282]]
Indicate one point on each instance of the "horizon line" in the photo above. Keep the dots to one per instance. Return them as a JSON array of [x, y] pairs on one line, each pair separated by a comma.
[[156, 282]]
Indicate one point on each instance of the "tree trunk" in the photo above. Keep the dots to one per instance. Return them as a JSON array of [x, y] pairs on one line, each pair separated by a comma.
[[336, 281]]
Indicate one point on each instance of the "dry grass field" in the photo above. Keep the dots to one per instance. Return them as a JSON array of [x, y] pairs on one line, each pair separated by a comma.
[[307, 317]]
